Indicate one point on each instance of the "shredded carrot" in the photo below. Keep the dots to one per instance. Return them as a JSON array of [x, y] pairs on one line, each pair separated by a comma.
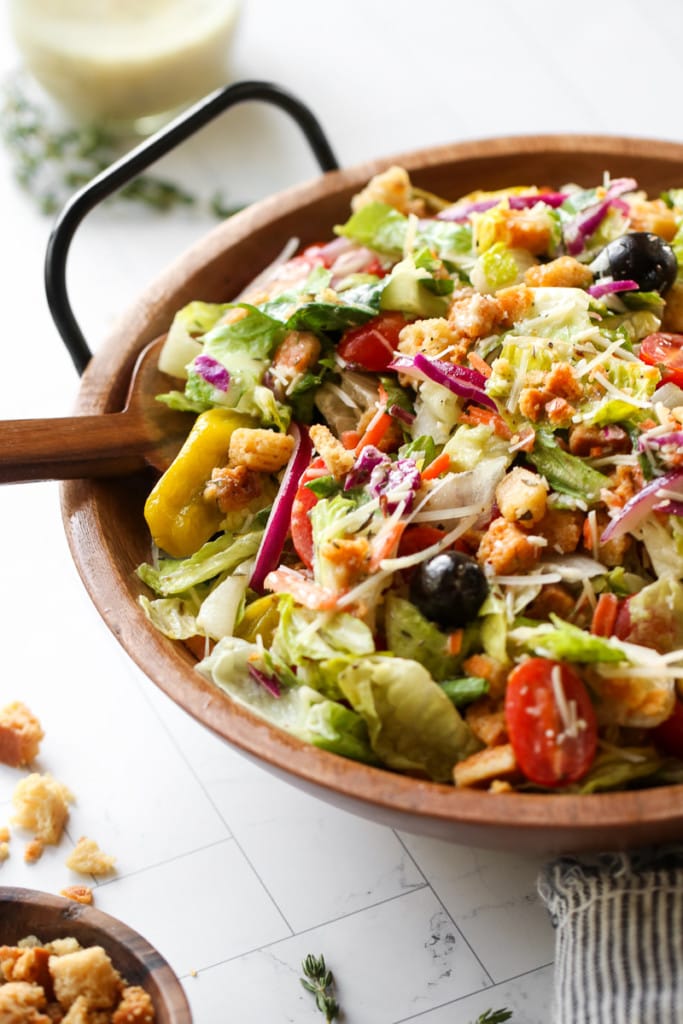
[[350, 438], [477, 363], [474, 415], [377, 428], [306, 592], [385, 543], [605, 615], [454, 642], [441, 464]]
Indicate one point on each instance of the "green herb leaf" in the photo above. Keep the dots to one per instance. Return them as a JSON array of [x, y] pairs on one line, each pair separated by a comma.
[[493, 1017], [319, 981]]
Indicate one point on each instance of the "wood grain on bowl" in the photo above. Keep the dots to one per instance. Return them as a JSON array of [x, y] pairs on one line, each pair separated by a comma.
[[25, 912], [109, 538]]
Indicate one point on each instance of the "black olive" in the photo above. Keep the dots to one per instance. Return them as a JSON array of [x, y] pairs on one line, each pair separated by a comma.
[[639, 256], [449, 589]]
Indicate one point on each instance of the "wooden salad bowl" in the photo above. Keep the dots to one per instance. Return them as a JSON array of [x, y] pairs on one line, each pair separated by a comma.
[[109, 538], [25, 912]]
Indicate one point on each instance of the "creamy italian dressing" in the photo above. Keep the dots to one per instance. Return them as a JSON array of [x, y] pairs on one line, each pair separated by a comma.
[[121, 60]]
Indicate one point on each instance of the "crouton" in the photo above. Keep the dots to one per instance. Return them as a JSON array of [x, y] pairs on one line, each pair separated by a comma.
[[33, 851], [336, 457], [392, 187], [42, 806], [135, 1007], [20, 735], [490, 669], [297, 353], [434, 337], [487, 766], [562, 528], [521, 496], [88, 973], [652, 215], [553, 598], [78, 893], [233, 488], [564, 272], [265, 451], [87, 858], [507, 549], [29, 964], [22, 1003], [486, 719]]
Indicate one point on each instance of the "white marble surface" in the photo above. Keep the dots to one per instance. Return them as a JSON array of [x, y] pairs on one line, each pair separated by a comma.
[[235, 875]]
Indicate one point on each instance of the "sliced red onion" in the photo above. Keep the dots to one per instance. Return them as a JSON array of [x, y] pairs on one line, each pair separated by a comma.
[[272, 542], [620, 186], [461, 380], [583, 226], [212, 372], [609, 287], [641, 504], [401, 414], [672, 508], [269, 683], [462, 211]]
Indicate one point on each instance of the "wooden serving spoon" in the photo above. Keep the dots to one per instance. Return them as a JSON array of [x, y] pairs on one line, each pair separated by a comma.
[[146, 432]]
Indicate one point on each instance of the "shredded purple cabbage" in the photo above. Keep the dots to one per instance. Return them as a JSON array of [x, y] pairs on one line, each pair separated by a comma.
[[395, 483], [462, 211], [212, 372], [361, 472]]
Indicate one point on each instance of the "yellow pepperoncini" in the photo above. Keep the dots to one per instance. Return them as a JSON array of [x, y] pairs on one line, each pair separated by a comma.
[[179, 518], [261, 618]]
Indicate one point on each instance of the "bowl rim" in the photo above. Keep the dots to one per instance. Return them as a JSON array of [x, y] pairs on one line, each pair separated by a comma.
[[114, 932], [567, 821]]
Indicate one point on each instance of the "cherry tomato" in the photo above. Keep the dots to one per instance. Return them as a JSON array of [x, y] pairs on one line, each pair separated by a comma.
[[304, 500], [668, 736], [665, 351], [547, 753], [373, 344]]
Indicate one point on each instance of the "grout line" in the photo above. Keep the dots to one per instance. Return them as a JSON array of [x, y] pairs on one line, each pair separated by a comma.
[[477, 992], [211, 801], [446, 911]]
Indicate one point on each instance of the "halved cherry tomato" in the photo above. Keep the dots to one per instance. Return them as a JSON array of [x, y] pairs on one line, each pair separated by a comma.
[[547, 752], [668, 736], [665, 351], [304, 500], [373, 344]]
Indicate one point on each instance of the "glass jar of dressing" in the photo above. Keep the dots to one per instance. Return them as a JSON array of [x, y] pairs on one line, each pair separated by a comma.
[[125, 62]]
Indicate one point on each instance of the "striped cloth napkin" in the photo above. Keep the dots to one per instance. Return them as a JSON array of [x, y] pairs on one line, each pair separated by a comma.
[[619, 937]]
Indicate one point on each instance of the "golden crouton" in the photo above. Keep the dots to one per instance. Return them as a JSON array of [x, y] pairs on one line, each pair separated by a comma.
[[296, 354], [486, 719], [522, 496], [33, 851], [562, 528], [20, 735], [434, 337], [392, 187], [88, 973], [485, 766], [507, 549], [493, 671], [233, 488], [564, 272], [78, 893], [553, 598], [337, 458], [29, 964], [652, 215], [87, 858], [263, 450], [135, 1007], [42, 806], [21, 1003]]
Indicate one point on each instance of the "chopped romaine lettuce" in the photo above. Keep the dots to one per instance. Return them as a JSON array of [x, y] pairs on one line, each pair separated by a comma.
[[176, 575], [410, 635]]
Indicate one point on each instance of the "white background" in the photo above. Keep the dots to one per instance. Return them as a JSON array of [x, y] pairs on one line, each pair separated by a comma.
[[233, 875]]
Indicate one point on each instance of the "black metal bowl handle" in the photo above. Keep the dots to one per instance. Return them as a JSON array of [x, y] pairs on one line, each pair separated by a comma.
[[136, 161]]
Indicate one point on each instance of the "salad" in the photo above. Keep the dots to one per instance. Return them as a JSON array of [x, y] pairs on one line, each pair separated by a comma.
[[430, 512]]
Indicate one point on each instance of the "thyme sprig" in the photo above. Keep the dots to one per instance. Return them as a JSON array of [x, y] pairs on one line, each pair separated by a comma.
[[319, 981], [493, 1017], [52, 159]]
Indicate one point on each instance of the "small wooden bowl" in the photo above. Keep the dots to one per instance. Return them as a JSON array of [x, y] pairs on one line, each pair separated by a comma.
[[26, 912], [108, 535]]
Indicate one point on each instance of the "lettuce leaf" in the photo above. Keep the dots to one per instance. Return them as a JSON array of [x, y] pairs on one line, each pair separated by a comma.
[[566, 642], [412, 724], [176, 575], [410, 635]]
